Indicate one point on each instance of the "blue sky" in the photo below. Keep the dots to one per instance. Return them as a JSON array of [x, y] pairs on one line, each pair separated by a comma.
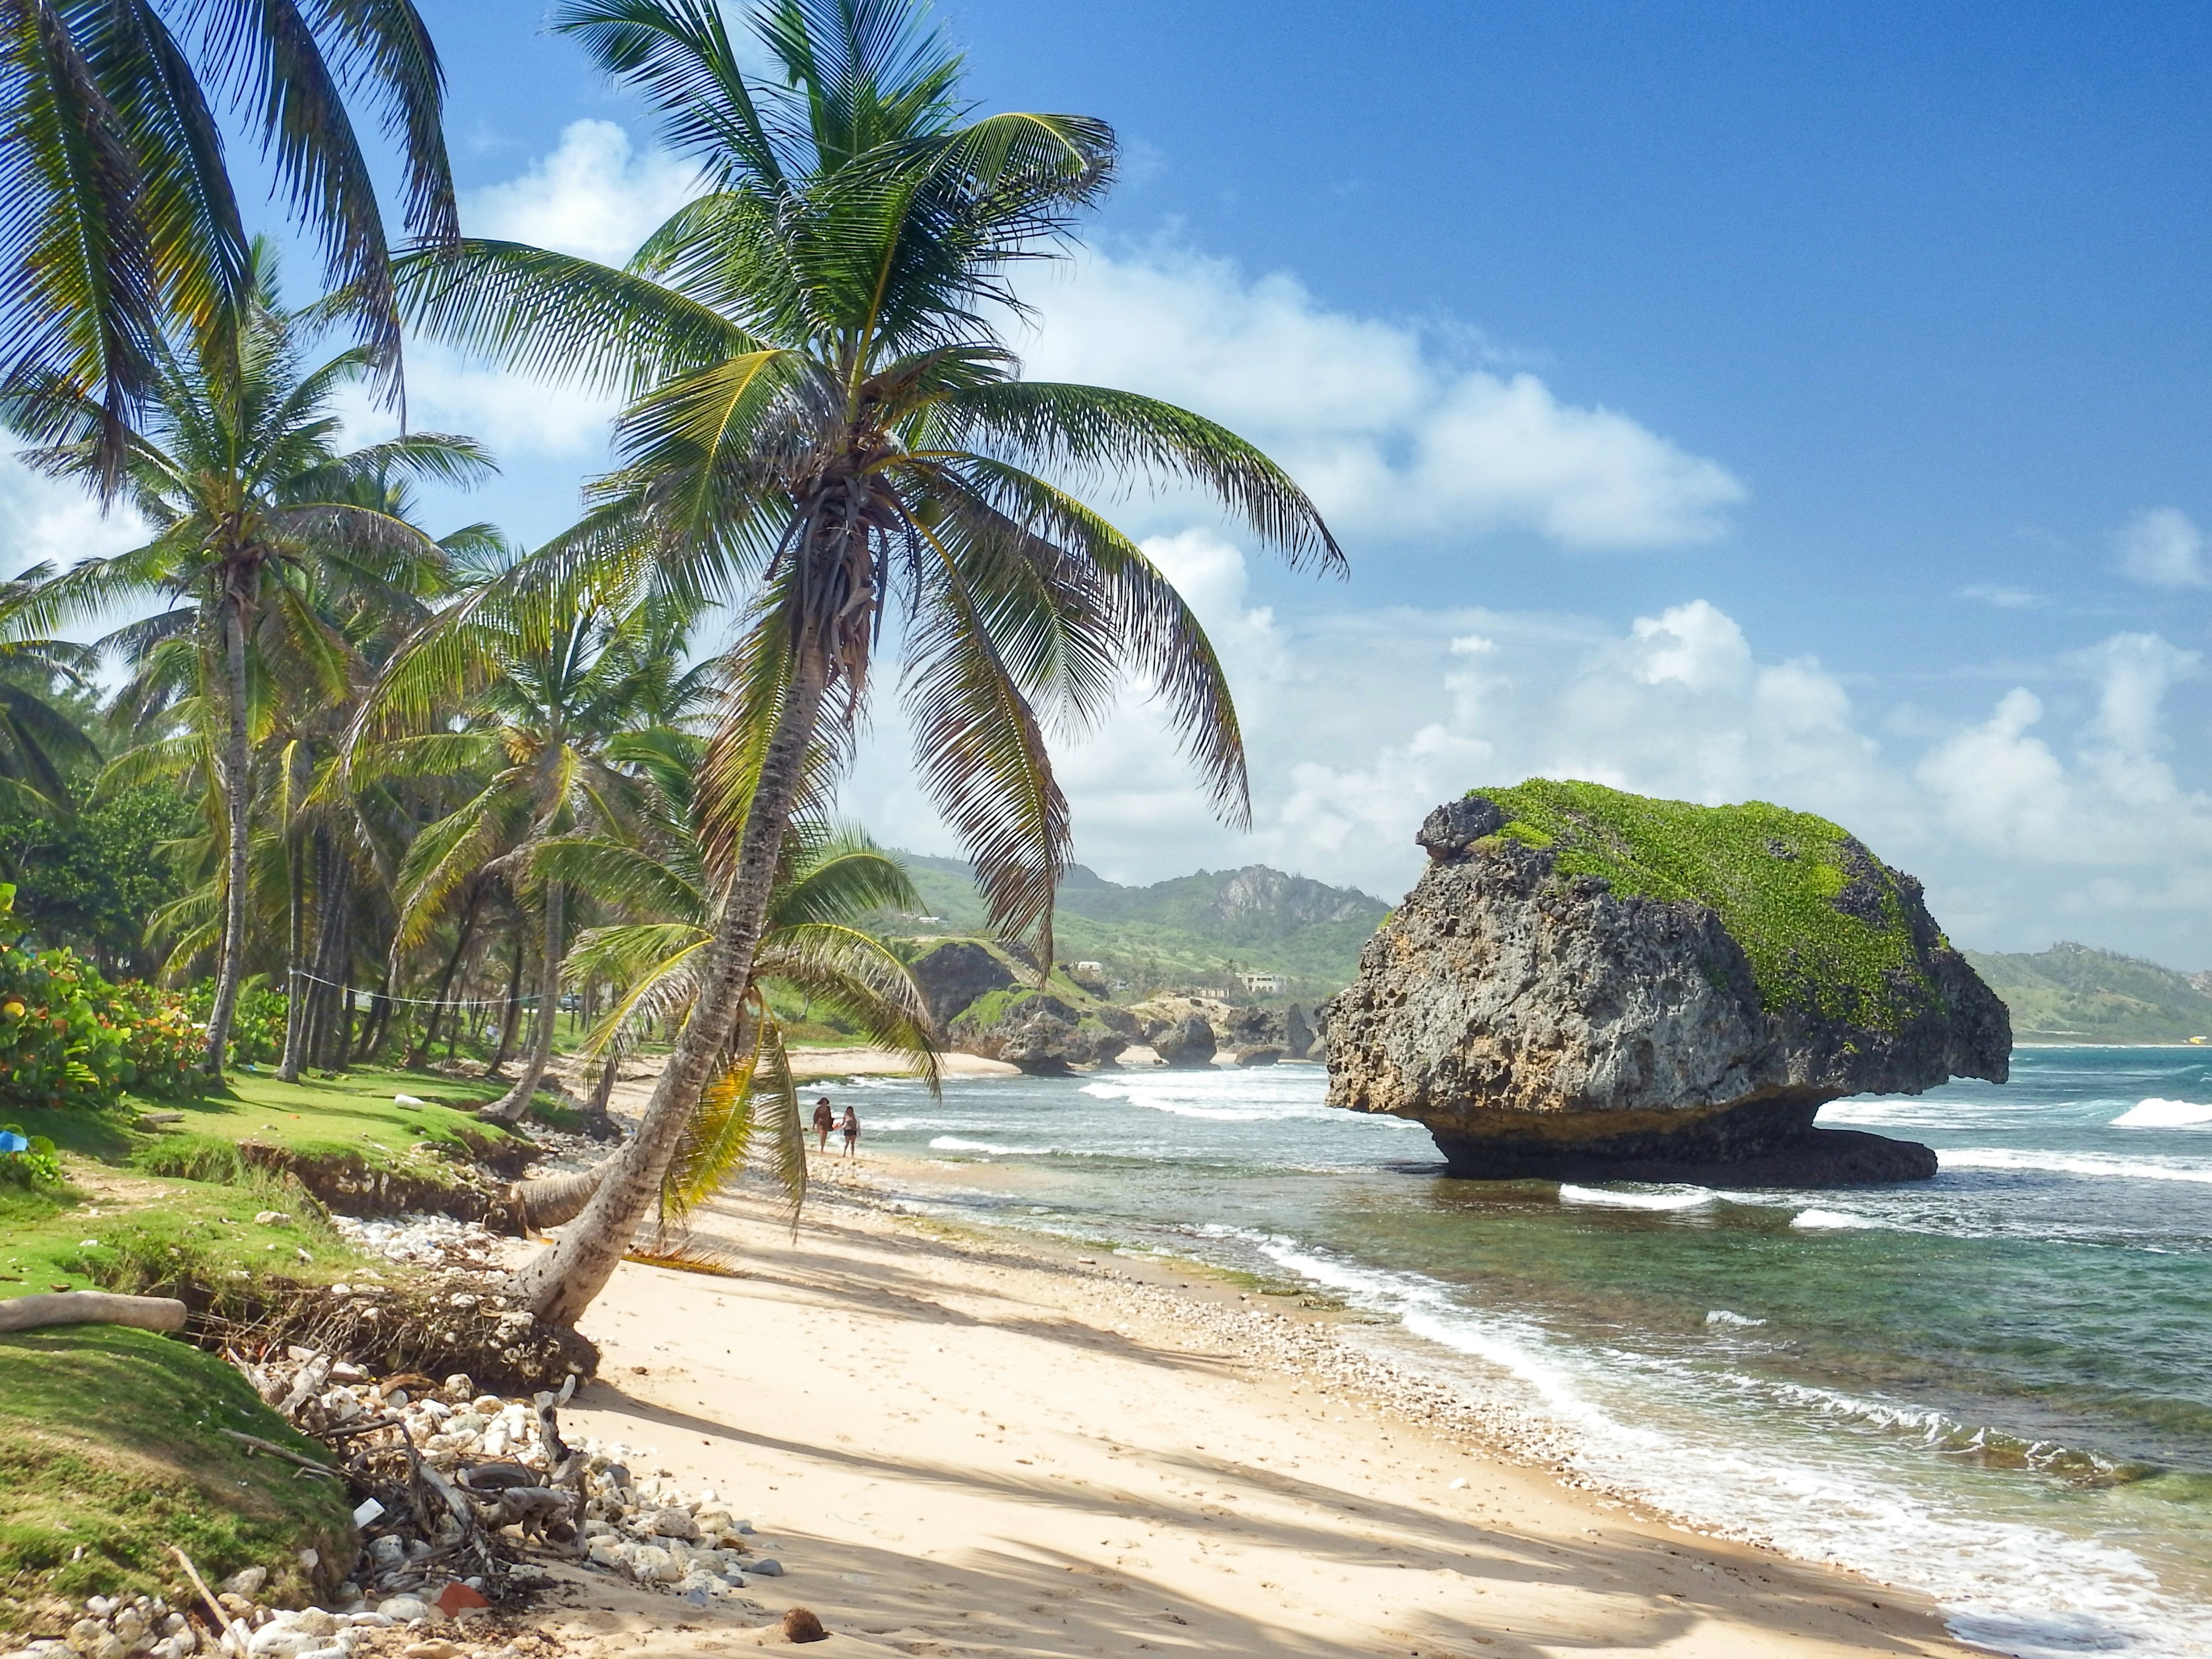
[[1806, 403]]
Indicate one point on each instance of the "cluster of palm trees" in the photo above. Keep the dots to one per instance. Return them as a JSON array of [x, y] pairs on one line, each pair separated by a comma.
[[615, 754]]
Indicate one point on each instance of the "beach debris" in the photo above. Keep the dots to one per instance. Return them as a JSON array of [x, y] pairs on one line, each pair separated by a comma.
[[458, 1486]]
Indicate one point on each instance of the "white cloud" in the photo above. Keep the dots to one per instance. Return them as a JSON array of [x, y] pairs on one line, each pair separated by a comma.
[[45, 520], [1389, 437], [595, 195], [1357, 722], [2162, 547], [2005, 599]]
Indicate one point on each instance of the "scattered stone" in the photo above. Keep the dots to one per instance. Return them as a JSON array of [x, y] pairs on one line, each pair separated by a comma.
[[766, 1567], [799, 1624], [246, 1581]]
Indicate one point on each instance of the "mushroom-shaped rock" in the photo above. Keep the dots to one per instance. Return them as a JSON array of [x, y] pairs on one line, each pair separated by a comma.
[[1586, 984]]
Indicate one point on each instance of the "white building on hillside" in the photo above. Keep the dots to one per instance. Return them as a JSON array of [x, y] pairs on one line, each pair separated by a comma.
[[1265, 985]]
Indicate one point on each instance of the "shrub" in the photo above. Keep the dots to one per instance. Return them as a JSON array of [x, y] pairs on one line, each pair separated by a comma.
[[28, 1160], [257, 1023], [68, 1038]]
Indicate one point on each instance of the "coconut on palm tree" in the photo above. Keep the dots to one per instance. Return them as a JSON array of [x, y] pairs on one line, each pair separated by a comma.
[[236, 467], [827, 425]]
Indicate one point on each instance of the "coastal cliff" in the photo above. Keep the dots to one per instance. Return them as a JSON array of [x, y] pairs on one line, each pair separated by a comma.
[[1586, 984]]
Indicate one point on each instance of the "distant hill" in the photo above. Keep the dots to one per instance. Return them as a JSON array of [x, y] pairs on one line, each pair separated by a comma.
[[1195, 930], [2073, 994]]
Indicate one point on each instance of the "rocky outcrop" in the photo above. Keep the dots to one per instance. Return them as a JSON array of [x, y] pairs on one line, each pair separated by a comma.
[[955, 974], [1297, 1036], [1188, 1044], [1040, 1034], [1588, 985]]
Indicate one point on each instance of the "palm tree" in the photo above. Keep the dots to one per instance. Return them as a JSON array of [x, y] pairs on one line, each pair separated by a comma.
[[827, 425], [120, 224], [38, 738], [541, 704], [253, 508], [658, 873]]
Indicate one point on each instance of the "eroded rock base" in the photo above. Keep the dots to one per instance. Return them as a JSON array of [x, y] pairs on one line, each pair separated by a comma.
[[1766, 1143]]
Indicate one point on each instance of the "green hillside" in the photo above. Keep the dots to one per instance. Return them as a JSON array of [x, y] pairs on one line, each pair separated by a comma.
[[1199, 929], [2073, 994]]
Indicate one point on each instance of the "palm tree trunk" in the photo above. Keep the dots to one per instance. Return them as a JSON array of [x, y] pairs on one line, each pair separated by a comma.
[[418, 1054], [563, 1282], [515, 1102], [296, 983], [235, 784], [512, 1013]]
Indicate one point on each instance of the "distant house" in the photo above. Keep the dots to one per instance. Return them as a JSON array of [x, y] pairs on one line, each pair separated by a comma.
[[1265, 985], [1098, 968]]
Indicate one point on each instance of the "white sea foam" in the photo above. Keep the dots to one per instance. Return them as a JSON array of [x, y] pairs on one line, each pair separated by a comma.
[[2014, 1587], [1724, 1316], [1687, 1199], [2095, 1165], [1830, 1221], [961, 1144], [2156, 1114]]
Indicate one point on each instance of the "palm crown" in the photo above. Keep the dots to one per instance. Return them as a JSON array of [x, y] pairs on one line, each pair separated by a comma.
[[825, 423]]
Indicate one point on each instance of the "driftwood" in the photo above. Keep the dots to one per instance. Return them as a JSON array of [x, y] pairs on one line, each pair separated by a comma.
[[234, 1637], [276, 1450], [145, 1313]]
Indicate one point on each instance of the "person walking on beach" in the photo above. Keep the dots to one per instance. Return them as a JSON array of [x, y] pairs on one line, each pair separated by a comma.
[[852, 1132], [824, 1120]]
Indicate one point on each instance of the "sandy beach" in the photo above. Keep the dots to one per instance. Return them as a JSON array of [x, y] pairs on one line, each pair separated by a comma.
[[959, 1445]]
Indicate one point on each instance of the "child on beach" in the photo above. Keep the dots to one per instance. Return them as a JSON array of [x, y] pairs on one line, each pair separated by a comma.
[[824, 1120], [852, 1132]]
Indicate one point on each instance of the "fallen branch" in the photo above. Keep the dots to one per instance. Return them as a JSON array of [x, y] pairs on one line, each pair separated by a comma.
[[145, 1313], [289, 1456], [222, 1619]]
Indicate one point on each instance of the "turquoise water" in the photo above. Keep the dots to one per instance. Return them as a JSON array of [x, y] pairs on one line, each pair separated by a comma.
[[1995, 1386]]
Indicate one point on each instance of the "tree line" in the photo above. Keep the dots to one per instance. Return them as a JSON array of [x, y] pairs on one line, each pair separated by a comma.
[[407, 773]]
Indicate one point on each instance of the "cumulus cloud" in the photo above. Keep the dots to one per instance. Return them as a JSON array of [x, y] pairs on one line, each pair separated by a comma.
[[45, 520], [2162, 547], [2027, 824], [595, 195], [1391, 436]]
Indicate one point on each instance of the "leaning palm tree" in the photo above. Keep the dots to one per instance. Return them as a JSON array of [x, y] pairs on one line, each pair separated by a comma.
[[236, 468], [657, 874], [118, 223], [826, 424]]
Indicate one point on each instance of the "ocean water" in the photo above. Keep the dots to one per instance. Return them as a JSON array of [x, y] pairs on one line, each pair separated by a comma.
[[1995, 1388]]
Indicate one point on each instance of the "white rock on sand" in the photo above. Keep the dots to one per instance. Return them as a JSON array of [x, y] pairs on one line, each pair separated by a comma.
[[961, 1447]]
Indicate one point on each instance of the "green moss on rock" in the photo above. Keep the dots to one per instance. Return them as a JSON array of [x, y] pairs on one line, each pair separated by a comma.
[[1823, 922]]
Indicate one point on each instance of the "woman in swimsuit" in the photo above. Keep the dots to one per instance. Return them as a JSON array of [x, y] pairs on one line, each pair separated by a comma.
[[824, 1120], [852, 1132]]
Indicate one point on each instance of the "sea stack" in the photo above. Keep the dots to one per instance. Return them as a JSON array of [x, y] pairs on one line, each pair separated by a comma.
[[1589, 985]]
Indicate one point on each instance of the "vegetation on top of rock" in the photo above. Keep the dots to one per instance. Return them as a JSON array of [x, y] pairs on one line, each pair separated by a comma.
[[1824, 923], [2075, 993]]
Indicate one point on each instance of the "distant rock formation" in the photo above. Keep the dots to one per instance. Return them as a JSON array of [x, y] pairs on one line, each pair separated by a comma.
[[1188, 1044], [1588, 985], [986, 1001], [955, 973]]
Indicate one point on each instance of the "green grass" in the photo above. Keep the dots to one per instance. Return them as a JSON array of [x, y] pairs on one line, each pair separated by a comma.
[[1773, 875], [110, 1453], [146, 1237]]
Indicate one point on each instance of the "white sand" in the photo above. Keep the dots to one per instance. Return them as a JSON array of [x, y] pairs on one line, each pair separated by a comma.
[[960, 1447]]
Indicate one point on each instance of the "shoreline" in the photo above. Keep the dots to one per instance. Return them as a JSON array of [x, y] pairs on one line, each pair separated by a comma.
[[964, 1443]]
